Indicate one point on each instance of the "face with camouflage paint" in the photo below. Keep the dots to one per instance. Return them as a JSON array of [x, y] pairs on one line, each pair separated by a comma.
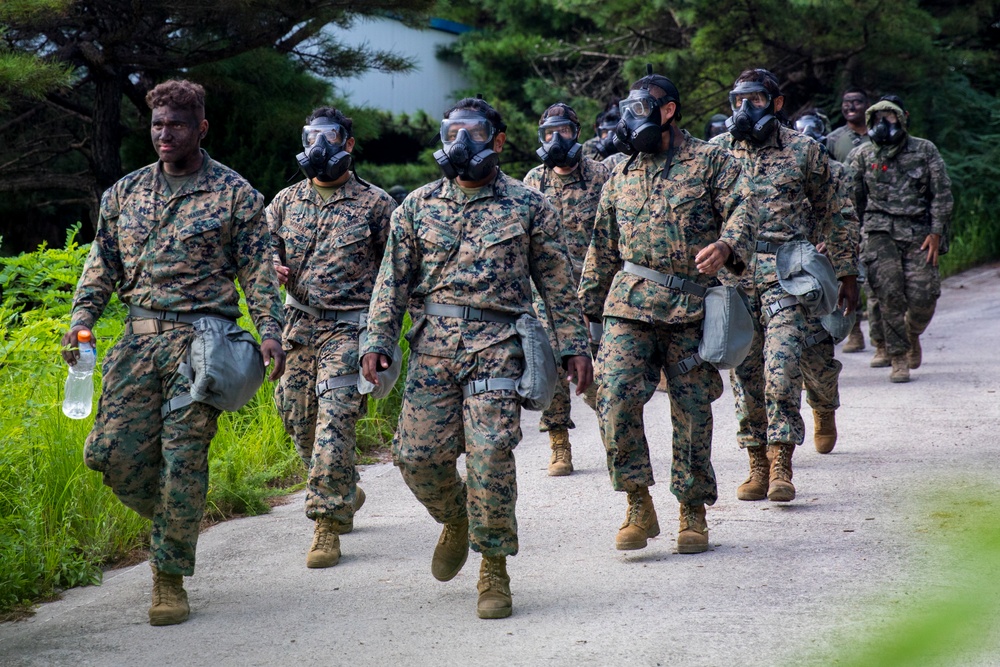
[[176, 135]]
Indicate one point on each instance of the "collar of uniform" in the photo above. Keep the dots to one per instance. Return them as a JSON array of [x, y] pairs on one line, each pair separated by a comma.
[[199, 182], [349, 190], [581, 173], [450, 190], [654, 164]]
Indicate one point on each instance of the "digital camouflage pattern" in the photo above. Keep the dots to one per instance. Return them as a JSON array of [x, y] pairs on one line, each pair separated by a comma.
[[661, 222], [482, 251], [794, 196], [575, 197], [436, 426], [333, 249], [768, 384], [180, 252], [628, 371], [660, 219], [588, 149], [175, 252], [614, 160], [900, 200], [820, 369]]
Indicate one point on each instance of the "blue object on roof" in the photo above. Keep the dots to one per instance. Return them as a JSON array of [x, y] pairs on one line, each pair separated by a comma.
[[453, 27]]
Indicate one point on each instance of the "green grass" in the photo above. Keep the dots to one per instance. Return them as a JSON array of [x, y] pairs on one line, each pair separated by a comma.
[[976, 238]]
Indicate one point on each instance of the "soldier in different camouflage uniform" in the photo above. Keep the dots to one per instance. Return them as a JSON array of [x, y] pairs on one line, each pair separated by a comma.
[[573, 186], [794, 196], [171, 238], [903, 197], [329, 232], [469, 246], [840, 143], [665, 223]]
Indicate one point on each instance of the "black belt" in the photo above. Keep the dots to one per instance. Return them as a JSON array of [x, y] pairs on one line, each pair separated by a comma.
[[767, 248]]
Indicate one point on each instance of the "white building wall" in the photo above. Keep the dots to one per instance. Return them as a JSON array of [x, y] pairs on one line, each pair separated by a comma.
[[431, 86]]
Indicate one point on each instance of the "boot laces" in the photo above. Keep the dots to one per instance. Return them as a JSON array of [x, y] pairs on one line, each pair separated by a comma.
[[689, 517], [324, 538], [559, 454]]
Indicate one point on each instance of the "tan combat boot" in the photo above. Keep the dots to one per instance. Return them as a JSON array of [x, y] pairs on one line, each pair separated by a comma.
[[825, 435], [359, 501], [170, 600], [325, 549], [755, 488], [855, 340], [692, 537], [781, 488], [640, 521], [494, 589], [900, 369], [881, 358], [561, 463], [452, 550], [916, 354]]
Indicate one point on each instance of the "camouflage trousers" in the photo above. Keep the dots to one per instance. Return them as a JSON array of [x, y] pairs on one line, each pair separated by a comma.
[[906, 285], [157, 466], [768, 384], [323, 427], [437, 424], [556, 417], [628, 370], [871, 301]]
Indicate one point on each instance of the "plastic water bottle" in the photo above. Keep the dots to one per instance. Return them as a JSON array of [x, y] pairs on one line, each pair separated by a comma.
[[79, 400]]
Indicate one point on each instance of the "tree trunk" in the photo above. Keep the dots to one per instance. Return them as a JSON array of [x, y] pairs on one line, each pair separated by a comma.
[[106, 161]]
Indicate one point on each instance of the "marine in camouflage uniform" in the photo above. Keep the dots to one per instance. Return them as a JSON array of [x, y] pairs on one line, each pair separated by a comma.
[[655, 221], [171, 245], [472, 252], [794, 196], [332, 249], [589, 149], [574, 196], [903, 197]]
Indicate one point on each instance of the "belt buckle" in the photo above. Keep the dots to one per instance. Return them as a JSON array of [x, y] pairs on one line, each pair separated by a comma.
[[473, 314]]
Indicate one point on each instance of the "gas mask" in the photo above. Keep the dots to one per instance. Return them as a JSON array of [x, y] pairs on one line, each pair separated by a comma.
[[559, 146], [885, 133], [749, 121], [639, 130], [324, 157], [468, 151], [811, 126], [606, 134]]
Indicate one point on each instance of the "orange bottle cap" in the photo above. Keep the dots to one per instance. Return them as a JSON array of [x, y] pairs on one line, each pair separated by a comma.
[[83, 336]]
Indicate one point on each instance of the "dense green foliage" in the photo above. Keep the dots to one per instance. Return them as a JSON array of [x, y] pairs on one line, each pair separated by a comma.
[[58, 523]]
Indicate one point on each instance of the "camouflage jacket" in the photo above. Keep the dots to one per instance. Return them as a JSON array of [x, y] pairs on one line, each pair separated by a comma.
[[661, 222], [589, 149], [845, 204], [181, 252], [842, 141], [908, 196], [793, 195], [613, 161], [575, 198], [332, 249], [483, 253]]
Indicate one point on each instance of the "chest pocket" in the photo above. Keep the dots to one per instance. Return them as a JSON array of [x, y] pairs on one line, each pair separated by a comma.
[[631, 216], [200, 240], [351, 235], [493, 236], [134, 229]]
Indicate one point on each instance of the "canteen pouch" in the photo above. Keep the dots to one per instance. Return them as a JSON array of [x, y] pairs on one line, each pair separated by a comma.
[[728, 328], [224, 364], [387, 378], [537, 384], [808, 275]]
